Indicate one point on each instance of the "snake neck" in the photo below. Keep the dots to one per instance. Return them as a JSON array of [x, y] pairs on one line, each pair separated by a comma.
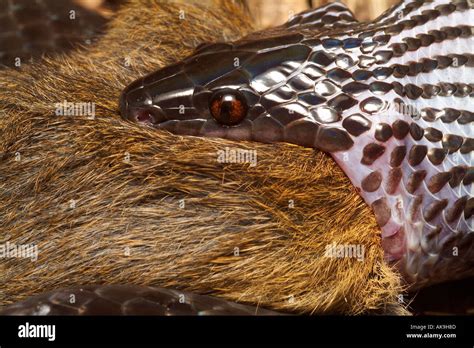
[[399, 122]]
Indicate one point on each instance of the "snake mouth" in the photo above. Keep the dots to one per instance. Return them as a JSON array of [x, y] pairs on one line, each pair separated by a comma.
[[153, 116], [148, 115]]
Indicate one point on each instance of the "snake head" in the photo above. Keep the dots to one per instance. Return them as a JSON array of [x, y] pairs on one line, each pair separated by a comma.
[[261, 90], [206, 94]]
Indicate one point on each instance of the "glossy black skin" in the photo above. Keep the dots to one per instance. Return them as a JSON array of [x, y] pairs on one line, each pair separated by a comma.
[[176, 97]]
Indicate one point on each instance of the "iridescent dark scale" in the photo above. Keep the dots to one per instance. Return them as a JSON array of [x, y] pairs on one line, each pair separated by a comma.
[[438, 181], [414, 180], [433, 134], [467, 146], [393, 180], [416, 131], [383, 132], [371, 152], [372, 182], [433, 209], [398, 155], [456, 210], [457, 175], [382, 211], [417, 154], [436, 155], [356, 124]]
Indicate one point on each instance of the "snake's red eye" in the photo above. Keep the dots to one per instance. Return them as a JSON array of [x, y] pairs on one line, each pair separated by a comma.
[[228, 107]]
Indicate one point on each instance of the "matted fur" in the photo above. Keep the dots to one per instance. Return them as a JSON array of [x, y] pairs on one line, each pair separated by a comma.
[[102, 198]]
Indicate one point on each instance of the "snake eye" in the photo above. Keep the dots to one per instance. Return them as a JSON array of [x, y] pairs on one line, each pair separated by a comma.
[[228, 107]]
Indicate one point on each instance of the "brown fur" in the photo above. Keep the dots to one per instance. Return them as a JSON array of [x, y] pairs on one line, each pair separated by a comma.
[[135, 204]]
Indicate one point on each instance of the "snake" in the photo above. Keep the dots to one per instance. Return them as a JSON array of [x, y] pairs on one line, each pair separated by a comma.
[[391, 100]]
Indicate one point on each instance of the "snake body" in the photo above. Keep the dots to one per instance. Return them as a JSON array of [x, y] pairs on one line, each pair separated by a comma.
[[127, 300], [391, 100]]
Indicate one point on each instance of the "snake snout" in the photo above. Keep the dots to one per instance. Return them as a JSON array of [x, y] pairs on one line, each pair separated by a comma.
[[149, 115]]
